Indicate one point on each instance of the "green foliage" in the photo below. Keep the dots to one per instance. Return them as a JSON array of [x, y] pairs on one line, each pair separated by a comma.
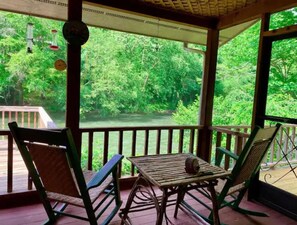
[[236, 71], [153, 74], [121, 73], [283, 68], [284, 18], [187, 115], [29, 79], [283, 105]]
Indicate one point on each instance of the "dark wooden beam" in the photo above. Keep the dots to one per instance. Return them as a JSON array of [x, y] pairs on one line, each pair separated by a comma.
[[282, 33], [255, 11], [262, 76], [73, 76], [150, 10], [207, 95], [261, 89]]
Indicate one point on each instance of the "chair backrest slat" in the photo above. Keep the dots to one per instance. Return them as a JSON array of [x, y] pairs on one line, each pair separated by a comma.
[[53, 137], [252, 161], [249, 161], [53, 168]]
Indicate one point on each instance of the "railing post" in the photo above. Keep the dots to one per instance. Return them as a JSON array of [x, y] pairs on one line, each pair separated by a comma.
[[228, 146], [3, 119], [181, 141], [106, 144], [134, 135], [121, 136], [192, 140], [238, 145], [10, 164], [90, 150], [218, 143], [146, 142], [158, 142], [169, 145]]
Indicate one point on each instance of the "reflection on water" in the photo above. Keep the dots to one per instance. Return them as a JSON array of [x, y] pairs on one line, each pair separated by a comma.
[[127, 120]]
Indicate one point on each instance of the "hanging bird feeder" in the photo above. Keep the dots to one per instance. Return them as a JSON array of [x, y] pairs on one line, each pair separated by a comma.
[[30, 37], [54, 46]]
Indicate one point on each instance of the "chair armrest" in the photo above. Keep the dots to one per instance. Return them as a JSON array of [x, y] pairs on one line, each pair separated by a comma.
[[222, 151], [104, 172]]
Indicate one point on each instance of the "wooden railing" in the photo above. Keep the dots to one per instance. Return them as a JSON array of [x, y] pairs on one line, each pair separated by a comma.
[[7, 146], [26, 116], [174, 139], [132, 141], [35, 117], [99, 144], [281, 152], [232, 138]]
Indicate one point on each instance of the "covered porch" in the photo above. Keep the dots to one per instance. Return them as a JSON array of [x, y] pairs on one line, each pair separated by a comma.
[[200, 138]]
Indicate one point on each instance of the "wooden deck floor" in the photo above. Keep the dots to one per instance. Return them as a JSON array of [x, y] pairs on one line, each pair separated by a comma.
[[20, 173], [283, 178], [35, 214]]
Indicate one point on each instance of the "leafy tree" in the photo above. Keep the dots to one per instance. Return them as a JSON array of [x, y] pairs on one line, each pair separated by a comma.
[[236, 76], [30, 78], [123, 73], [153, 74]]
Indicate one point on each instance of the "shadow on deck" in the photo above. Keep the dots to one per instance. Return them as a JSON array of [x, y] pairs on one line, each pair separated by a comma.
[[35, 214]]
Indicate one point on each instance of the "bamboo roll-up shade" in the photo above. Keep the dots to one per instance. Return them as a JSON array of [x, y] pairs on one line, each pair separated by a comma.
[[104, 17], [203, 7]]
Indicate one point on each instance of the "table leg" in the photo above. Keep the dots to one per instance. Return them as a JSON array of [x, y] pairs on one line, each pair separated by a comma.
[[162, 210], [124, 213], [215, 214], [180, 197], [141, 197]]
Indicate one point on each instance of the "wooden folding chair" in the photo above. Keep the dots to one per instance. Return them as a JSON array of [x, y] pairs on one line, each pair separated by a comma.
[[244, 171], [54, 166]]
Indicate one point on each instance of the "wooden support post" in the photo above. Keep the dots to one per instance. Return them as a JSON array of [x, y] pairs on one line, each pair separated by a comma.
[[207, 95], [261, 90], [73, 76], [262, 76]]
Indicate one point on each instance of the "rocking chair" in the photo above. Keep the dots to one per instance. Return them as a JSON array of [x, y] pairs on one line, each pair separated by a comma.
[[231, 190], [54, 166]]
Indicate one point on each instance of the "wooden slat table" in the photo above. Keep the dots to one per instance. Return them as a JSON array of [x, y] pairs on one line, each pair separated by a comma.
[[167, 172]]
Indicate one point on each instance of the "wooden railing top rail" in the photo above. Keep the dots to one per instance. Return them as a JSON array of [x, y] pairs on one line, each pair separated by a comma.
[[233, 126], [44, 119], [228, 131], [96, 129], [4, 132], [20, 108]]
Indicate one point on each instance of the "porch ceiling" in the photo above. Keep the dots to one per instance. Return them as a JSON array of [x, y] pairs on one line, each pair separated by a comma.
[[181, 20]]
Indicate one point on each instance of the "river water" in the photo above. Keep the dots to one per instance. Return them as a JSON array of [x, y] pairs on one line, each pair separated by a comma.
[[127, 120]]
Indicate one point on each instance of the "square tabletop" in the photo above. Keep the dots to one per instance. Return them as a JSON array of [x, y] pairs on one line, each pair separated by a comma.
[[168, 170]]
